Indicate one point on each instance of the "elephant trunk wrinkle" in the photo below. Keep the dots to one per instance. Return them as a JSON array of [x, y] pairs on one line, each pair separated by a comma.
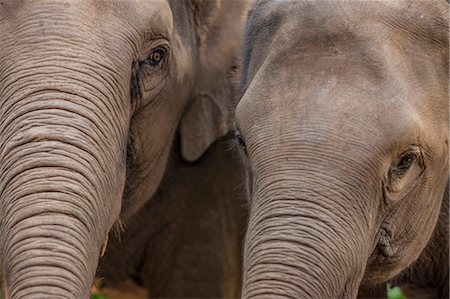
[[61, 184], [303, 248], [49, 253], [51, 239]]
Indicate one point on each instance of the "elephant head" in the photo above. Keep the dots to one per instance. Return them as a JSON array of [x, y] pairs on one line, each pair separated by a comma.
[[91, 96], [344, 118]]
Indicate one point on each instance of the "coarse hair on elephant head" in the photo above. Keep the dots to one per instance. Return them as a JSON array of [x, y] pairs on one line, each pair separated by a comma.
[[91, 96], [344, 118]]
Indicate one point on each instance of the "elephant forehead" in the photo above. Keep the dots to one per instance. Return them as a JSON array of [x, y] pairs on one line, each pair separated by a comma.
[[302, 73], [155, 15], [294, 26], [142, 16], [417, 18], [313, 108], [114, 30]]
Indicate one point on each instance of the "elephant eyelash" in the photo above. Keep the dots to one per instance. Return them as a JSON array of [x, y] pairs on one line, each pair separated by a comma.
[[240, 141], [406, 169], [147, 75], [160, 52], [406, 161], [403, 165], [138, 71], [232, 142]]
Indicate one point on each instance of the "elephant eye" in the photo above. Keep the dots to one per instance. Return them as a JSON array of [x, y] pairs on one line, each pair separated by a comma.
[[406, 169], [241, 141], [404, 164], [156, 56]]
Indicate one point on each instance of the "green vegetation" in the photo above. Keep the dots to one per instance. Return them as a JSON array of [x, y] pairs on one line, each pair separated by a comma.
[[93, 296], [97, 296], [394, 292]]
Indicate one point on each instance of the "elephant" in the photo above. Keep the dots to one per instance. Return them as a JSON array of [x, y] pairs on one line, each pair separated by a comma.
[[180, 254], [92, 96], [343, 117]]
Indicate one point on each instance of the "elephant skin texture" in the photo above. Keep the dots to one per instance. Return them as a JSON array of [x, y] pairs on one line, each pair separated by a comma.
[[92, 94], [344, 120]]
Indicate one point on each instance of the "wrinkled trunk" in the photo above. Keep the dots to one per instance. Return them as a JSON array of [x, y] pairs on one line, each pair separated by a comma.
[[64, 117], [302, 244], [62, 174], [49, 256]]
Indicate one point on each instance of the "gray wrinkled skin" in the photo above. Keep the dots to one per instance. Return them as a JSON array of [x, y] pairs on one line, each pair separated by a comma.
[[344, 115], [91, 95]]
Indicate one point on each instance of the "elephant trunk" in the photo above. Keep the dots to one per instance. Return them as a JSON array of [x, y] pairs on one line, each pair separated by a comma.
[[49, 254], [62, 174], [303, 242]]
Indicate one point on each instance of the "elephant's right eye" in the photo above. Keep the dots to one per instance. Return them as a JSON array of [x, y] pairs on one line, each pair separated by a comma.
[[405, 163], [150, 71]]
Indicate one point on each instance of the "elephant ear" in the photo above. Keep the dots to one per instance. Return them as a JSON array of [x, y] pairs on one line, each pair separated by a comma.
[[209, 115]]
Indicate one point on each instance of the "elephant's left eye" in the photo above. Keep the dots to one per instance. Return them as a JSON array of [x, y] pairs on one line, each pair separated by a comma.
[[406, 169], [156, 56]]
